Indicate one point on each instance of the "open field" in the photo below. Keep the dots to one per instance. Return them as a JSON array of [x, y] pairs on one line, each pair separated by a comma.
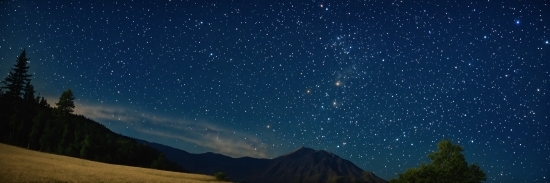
[[22, 165]]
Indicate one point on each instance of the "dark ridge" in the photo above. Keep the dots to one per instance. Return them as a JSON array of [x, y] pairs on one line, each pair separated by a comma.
[[303, 165]]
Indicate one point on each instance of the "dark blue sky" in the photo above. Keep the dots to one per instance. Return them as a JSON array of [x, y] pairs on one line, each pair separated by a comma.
[[375, 82]]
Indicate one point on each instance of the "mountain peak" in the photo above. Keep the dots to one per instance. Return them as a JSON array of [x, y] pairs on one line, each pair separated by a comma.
[[302, 165], [306, 151], [300, 152], [310, 165]]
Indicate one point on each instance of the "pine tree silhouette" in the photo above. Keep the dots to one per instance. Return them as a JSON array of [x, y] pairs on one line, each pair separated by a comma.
[[17, 77]]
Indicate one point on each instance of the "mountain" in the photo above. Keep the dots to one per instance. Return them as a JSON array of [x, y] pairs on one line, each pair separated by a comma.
[[303, 165], [237, 169], [309, 165]]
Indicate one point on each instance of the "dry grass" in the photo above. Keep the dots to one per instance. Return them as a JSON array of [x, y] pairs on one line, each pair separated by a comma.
[[22, 165]]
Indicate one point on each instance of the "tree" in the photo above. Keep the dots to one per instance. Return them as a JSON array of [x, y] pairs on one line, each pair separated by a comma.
[[14, 120], [161, 163], [65, 106], [28, 94], [448, 165], [64, 146], [44, 102], [36, 130], [85, 147], [66, 102], [221, 176], [17, 76], [46, 139]]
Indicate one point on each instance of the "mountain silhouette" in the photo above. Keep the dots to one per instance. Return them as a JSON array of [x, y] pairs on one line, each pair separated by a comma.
[[309, 165], [304, 165]]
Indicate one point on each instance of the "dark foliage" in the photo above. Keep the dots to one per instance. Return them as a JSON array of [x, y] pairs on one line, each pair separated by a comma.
[[17, 77], [31, 125], [28, 121], [29, 92], [221, 176], [448, 165], [66, 102]]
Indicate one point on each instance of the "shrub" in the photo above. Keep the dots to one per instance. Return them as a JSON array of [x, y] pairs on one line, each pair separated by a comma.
[[220, 176]]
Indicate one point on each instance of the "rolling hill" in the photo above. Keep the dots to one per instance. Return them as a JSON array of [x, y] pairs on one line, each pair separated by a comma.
[[22, 165]]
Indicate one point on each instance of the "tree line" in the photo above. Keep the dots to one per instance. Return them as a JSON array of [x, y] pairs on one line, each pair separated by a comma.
[[28, 121]]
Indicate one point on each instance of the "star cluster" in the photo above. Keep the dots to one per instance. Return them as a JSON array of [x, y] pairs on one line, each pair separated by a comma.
[[376, 82]]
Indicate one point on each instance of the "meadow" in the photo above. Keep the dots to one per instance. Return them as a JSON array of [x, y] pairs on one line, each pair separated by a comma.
[[22, 165]]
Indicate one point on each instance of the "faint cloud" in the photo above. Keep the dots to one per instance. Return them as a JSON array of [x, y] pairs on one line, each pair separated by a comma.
[[101, 113], [229, 146], [200, 133]]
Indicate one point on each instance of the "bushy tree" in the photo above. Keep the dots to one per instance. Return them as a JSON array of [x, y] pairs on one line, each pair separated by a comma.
[[161, 163], [221, 176], [448, 165], [66, 102], [17, 77]]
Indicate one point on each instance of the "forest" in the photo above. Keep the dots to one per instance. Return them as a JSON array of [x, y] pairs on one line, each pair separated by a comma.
[[27, 120]]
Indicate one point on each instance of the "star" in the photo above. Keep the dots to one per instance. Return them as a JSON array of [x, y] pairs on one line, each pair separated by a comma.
[[225, 67]]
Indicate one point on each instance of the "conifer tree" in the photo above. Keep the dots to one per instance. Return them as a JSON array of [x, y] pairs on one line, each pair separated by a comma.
[[85, 146], [29, 92], [66, 102], [14, 120], [65, 106], [36, 130], [47, 137], [44, 102], [17, 77]]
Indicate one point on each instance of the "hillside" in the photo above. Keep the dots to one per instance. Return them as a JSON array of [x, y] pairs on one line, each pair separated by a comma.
[[22, 165], [35, 126], [302, 165]]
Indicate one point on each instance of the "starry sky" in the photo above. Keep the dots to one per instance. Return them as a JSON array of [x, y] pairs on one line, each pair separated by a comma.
[[376, 82]]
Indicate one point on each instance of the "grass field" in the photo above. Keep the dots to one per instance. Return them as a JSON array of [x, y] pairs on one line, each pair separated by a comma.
[[22, 165]]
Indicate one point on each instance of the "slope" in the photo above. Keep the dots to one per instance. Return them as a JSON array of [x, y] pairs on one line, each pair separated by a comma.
[[22, 165]]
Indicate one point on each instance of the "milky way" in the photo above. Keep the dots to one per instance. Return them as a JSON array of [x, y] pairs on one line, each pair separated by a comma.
[[378, 83]]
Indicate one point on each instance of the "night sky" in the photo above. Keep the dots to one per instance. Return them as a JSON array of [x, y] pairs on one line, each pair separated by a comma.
[[379, 83]]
